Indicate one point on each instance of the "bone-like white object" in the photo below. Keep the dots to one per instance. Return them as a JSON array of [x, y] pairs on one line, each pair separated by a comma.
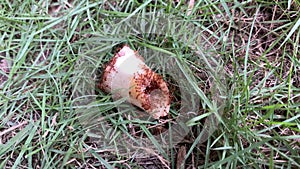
[[127, 76]]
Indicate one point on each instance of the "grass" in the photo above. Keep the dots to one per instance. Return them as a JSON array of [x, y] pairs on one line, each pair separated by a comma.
[[243, 73]]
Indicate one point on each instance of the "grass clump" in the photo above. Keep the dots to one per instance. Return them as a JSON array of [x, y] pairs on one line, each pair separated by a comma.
[[54, 50]]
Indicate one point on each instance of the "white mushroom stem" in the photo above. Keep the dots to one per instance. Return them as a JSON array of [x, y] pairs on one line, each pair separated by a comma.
[[127, 76]]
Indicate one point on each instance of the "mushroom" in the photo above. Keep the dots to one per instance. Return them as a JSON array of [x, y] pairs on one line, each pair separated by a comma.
[[127, 76]]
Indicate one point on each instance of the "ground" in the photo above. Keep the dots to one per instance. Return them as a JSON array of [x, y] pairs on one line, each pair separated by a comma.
[[53, 52]]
